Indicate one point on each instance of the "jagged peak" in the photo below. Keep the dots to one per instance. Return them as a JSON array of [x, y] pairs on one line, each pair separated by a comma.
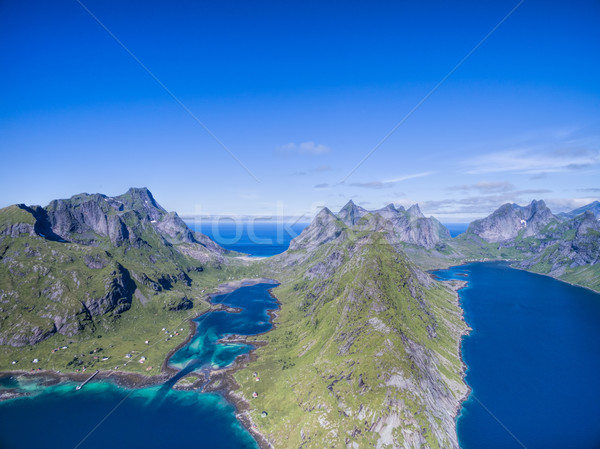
[[349, 206], [415, 211], [538, 204], [351, 213], [391, 207], [324, 212], [139, 191], [324, 228]]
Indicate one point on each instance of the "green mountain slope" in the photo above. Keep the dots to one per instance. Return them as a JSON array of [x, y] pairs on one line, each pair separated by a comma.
[[365, 352], [89, 267]]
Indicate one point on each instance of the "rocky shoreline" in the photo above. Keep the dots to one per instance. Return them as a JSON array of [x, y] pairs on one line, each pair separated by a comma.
[[219, 381], [456, 286], [222, 381]]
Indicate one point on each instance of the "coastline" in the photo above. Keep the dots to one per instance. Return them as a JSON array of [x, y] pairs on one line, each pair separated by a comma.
[[220, 381], [455, 285], [556, 279], [459, 285], [511, 263], [228, 287]]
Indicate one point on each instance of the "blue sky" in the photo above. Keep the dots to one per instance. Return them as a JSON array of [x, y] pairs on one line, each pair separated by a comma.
[[299, 93]]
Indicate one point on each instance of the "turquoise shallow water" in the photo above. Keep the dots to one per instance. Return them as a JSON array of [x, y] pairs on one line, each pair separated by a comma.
[[203, 352], [60, 417], [533, 360]]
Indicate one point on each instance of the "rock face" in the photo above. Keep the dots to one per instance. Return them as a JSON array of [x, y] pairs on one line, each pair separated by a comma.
[[350, 214], [511, 220], [132, 219], [565, 246], [76, 261], [407, 226], [324, 228], [570, 244], [118, 293]]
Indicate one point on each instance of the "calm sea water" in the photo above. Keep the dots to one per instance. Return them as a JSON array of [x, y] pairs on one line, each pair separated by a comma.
[[60, 417], [533, 360], [257, 238], [456, 228]]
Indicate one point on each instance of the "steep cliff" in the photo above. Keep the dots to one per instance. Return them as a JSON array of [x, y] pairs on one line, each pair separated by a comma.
[[564, 246], [77, 262], [407, 226], [511, 220]]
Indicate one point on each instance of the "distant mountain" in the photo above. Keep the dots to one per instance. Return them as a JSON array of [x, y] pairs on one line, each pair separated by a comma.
[[82, 261], [592, 207], [566, 247], [400, 225], [512, 220], [571, 244], [324, 228], [351, 214]]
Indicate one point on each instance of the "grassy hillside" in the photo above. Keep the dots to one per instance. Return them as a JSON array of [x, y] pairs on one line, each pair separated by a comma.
[[102, 291], [365, 353]]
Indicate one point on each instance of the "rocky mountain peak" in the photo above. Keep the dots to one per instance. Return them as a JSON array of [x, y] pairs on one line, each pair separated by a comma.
[[174, 228], [350, 214], [415, 211], [324, 228], [141, 199], [401, 226], [511, 220], [325, 213], [132, 219]]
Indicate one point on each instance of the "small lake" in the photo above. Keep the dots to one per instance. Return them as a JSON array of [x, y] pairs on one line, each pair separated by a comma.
[[533, 360]]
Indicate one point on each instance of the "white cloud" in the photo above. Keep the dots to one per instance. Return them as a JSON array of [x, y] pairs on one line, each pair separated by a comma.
[[527, 161], [304, 148], [387, 183], [568, 204], [485, 187], [312, 148]]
